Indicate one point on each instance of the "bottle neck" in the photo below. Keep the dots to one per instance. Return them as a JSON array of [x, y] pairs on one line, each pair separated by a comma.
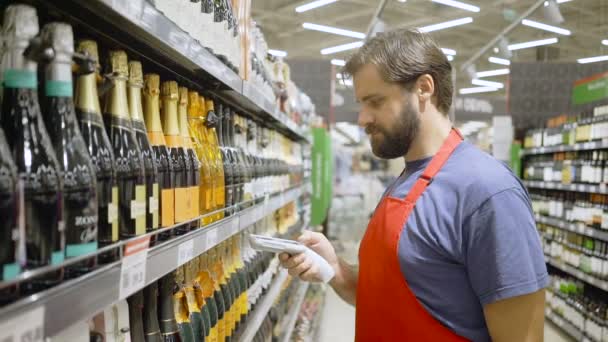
[[18, 71], [152, 113], [135, 104], [87, 99], [116, 104], [183, 120], [170, 125]]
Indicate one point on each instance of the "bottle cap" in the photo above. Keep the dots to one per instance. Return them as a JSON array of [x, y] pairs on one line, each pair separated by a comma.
[[136, 77], [183, 96], [151, 84], [169, 90], [60, 37], [20, 25], [118, 64]]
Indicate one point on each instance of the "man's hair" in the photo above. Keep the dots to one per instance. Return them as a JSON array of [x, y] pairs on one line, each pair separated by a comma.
[[402, 56]]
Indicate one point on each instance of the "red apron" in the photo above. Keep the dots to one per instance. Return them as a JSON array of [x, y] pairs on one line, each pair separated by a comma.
[[387, 310]]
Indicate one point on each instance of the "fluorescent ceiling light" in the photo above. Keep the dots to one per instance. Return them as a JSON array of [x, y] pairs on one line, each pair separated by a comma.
[[450, 57], [334, 30], [313, 5], [605, 41], [500, 61], [447, 24], [401, 0], [533, 43], [485, 83], [278, 53], [489, 73], [447, 51], [592, 59], [546, 27], [340, 48], [558, 1], [338, 62], [458, 4], [475, 90]]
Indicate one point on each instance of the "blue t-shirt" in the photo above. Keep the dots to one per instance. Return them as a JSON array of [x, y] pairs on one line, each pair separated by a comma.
[[471, 240]]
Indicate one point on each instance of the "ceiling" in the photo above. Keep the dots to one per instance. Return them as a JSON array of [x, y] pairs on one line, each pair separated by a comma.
[[586, 19]]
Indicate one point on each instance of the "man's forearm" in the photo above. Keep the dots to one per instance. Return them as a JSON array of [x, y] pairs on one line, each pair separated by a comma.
[[345, 282]]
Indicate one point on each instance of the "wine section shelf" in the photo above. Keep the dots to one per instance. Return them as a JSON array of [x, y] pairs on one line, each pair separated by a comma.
[[590, 188], [566, 326], [292, 316], [95, 291], [153, 32], [599, 283], [586, 146], [578, 227]]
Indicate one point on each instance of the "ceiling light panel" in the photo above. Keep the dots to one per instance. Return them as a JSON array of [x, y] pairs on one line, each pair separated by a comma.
[[501, 61], [313, 5], [475, 90], [533, 43], [340, 48], [592, 59], [278, 53], [550, 28], [485, 83], [447, 51], [605, 41], [449, 57], [458, 4], [446, 24], [338, 62], [334, 30], [489, 73]]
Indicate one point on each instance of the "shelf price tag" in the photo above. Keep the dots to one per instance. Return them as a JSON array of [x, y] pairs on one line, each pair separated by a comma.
[[133, 270], [185, 252], [212, 239], [28, 326], [234, 225]]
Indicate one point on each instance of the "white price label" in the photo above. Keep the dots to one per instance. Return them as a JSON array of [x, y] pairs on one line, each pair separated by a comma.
[[153, 205], [138, 209], [185, 252], [234, 225], [28, 326], [112, 212], [212, 238], [133, 269], [603, 187]]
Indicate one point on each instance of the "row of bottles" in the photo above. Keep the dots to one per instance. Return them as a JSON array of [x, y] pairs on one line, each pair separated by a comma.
[[569, 167], [75, 177], [582, 252], [587, 208], [585, 310]]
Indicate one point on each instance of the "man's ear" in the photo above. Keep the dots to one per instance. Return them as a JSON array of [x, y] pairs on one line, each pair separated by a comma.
[[425, 88]]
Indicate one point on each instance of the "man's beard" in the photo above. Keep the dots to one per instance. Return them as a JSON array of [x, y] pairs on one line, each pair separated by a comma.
[[395, 141]]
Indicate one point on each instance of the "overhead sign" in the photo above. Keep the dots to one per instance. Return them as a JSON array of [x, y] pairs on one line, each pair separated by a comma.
[[590, 89]]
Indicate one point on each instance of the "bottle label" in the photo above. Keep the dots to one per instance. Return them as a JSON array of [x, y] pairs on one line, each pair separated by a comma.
[[80, 249], [153, 205], [58, 88], [181, 205], [195, 199], [138, 209], [10, 271], [167, 198], [14, 78], [57, 257], [113, 213]]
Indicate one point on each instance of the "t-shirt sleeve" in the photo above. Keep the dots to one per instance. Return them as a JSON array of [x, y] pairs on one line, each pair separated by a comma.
[[504, 256]]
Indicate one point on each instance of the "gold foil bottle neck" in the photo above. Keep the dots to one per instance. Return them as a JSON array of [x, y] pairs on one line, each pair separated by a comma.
[[203, 108], [193, 104], [183, 96], [151, 85], [118, 63], [169, 90], [136, 78], [210, 106], [89, 47]]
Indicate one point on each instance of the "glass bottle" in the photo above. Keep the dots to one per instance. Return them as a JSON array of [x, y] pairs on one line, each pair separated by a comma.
[[166, 313], [194, 178], [197, 321], [136, 324], [180, 309], [150, 315], [211, 120], [205, 289], [9, 230]]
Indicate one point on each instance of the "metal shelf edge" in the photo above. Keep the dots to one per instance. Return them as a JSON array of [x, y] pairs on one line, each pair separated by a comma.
[[584, 146], [578, 274], [600, 188], [566, 326], [259, 313], [295, 310], [573, 227]]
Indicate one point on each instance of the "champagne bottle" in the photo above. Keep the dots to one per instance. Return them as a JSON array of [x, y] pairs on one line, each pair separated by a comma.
[[221, 301], [178, 155], [233, 284], [166, 315], [218, 272], [136, 83], [202, 149], [242, 276], [136, 324], [205, 289], [29, 142], [130, 172], [101, 153], [209, 121], [194, 178], [180, 308], [227, 162], [77, 170], [197, 321], [10, 211], [151, 326], [166, 175], [212, 123]]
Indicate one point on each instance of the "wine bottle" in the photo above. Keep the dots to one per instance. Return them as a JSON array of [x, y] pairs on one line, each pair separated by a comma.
[[202, 149], [9, 230], [130, 172], [166, 315], [197, 321], [136, 324], [225, 157], [33, 154], [194, 178], [221, 302], [211, 121], [233, 285], [204, 287], [178, 156], [242, 277], [136, 83], [217, 271], [100, 150], [180, 308], [166, 175], [79, 181], [150, 316]]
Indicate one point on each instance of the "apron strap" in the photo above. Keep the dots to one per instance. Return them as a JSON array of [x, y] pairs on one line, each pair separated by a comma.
[[426, 178]]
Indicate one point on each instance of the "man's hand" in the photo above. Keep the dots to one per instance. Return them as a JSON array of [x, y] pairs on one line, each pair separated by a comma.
[[302, 266]]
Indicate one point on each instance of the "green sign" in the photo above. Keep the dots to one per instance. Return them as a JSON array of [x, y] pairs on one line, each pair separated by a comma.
[[590, 89], [515, 161], [322, 180]]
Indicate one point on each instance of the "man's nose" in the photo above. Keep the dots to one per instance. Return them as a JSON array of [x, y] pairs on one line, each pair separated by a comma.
[[365, 118]]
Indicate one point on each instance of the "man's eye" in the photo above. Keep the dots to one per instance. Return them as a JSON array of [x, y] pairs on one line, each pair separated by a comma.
[[376, 103]]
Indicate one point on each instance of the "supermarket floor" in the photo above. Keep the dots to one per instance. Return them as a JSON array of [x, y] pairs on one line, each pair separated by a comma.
[[338, 320]]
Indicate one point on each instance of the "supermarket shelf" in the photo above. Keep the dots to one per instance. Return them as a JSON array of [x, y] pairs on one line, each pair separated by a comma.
[[566, 326], [599, 283], [578, 227], [592, 145], [150, 30], [255, 319], [292, 316], [95, 291], [598, 189]]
